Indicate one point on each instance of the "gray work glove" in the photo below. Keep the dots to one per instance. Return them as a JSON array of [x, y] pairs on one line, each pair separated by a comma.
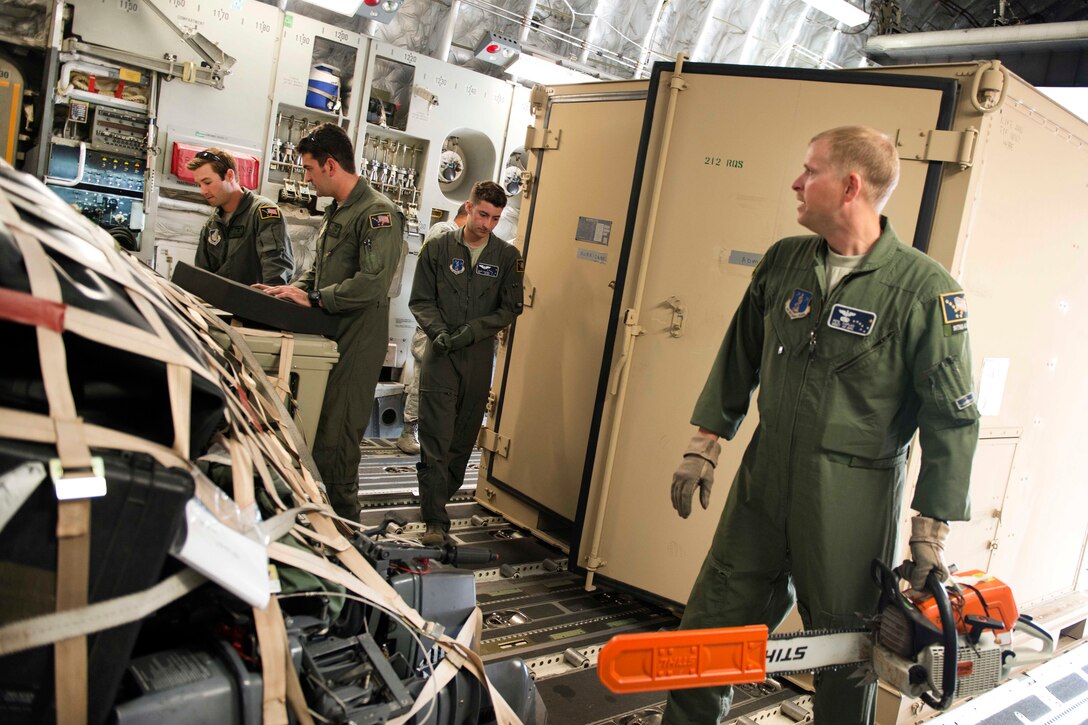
[[697, 469], [926, 551], [462, 337], [441, 343]]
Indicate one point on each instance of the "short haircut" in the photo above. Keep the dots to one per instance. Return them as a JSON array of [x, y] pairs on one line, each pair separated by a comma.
[[488, 191], [219, 159], [461, 210], [868, 152], [327, 140]]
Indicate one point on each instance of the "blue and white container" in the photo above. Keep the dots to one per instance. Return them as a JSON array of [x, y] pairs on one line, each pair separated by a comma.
[[323, 91]]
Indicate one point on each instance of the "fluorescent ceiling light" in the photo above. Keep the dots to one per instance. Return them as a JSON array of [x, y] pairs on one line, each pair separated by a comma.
[[541, 71], [344, 7], [380, 10], [843, 11]]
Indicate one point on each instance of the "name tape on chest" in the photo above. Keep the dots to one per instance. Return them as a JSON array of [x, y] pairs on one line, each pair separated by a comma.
[[457, 265], [269, 212], [236, 232], [799, 304], [381, 220], [852, 320], [487, 270]]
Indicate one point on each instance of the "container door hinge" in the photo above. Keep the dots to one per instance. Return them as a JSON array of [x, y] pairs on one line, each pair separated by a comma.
[[542, 139], [956, 147], [491, 441]]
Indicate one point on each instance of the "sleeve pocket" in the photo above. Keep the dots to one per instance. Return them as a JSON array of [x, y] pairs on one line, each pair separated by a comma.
[[952, 398]]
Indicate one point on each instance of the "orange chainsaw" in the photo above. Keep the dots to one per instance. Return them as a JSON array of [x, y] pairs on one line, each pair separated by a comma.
[[954, 642]]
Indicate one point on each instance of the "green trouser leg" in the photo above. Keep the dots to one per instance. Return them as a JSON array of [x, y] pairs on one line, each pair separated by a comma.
[[347, 407], [846, 516], [837, 523], [452, 398], [744, 580]]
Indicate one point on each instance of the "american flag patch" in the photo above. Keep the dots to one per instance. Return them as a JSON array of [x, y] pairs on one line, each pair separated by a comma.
[[378, 221]]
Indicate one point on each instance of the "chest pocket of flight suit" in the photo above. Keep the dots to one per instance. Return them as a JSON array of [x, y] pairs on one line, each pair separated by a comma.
[[341, 253], [485, 283], [866, 387]]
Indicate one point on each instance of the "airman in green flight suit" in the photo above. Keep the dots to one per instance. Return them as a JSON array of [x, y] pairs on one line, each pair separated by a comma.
[[359, 247], [856, 341], [467, 287], [245, 239]]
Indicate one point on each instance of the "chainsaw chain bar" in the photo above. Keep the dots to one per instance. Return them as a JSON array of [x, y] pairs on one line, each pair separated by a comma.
[[813, 633]]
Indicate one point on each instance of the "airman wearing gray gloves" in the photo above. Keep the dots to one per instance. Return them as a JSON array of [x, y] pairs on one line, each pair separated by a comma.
[[856, 341]]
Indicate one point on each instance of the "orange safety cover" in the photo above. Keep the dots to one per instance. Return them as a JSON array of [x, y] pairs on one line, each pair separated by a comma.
[[249, 166], [983, 595], [676, 660]]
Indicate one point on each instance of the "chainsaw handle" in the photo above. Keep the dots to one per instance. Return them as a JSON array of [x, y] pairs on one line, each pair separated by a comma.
[[1030, 657], [950, 640]]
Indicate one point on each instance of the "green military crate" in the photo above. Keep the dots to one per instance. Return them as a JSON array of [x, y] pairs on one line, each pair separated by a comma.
[[312, 358]]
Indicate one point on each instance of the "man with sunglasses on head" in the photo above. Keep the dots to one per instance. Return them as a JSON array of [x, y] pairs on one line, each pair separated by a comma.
[[359, 248], [245, 239]]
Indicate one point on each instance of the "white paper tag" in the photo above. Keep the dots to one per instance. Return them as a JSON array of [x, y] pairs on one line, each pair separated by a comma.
[[230, 559]]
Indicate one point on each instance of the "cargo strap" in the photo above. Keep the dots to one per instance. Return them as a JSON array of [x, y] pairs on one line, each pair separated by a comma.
[[74, 514], [272, 638], [51, 628]]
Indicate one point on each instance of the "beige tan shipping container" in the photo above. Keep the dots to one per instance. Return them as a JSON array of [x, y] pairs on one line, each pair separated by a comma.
[[651, 201]]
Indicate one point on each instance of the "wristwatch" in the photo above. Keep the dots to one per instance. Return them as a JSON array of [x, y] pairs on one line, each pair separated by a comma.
[[315, 297]]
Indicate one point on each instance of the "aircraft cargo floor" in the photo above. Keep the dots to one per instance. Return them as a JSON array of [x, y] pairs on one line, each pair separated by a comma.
[[534, 608]]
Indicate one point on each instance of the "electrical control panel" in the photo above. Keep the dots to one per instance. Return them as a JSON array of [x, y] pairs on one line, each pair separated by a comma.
[[119, 131], [106, 210]]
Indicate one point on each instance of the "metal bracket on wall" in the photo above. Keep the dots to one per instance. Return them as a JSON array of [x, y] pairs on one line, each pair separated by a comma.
[[489, 440], [676, 328], [957, 147], [542, 139], [526, 183]]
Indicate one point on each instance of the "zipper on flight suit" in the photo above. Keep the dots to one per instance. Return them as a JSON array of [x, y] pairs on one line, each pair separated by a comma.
[[812, 343]]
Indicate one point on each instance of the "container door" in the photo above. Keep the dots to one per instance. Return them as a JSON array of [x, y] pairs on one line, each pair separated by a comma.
[[737, 142], [573, 232]]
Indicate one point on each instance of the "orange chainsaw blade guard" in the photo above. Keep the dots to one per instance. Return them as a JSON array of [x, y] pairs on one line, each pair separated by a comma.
[[677, 660]]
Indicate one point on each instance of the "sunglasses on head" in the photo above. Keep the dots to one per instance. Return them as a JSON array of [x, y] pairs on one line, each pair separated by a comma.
[[209, 156]]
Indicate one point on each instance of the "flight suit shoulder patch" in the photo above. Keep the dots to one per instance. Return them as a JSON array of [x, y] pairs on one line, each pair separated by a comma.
[[269, 212], [520, 266], [381, 220], [954, 307], [954, 313]]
